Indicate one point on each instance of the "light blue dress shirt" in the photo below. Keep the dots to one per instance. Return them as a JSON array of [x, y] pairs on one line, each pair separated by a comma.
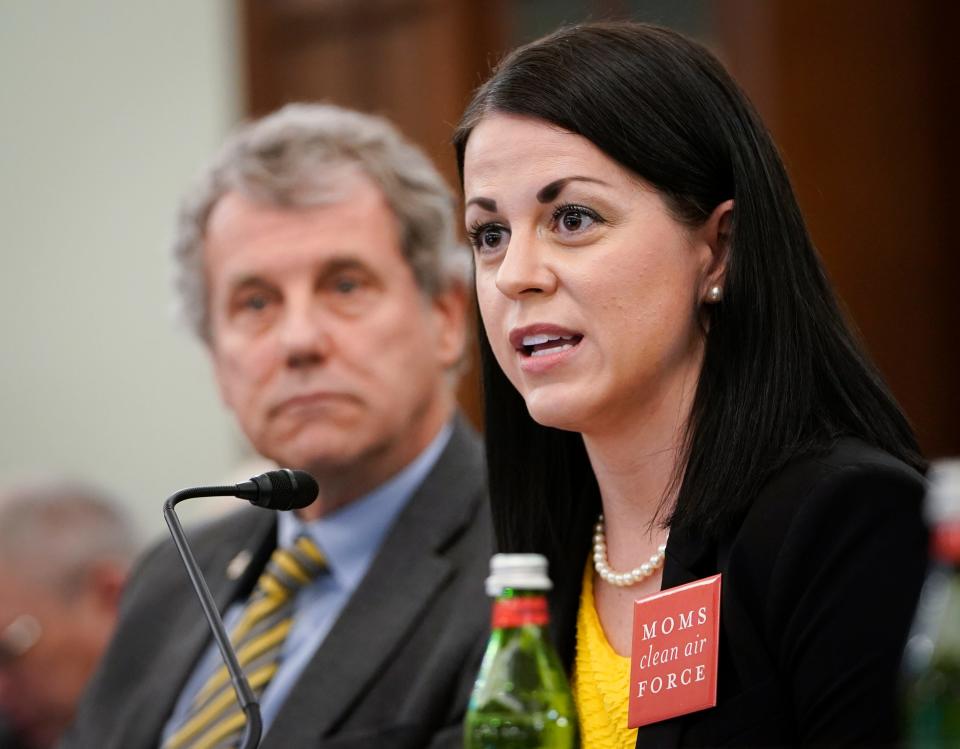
[[350, 539]]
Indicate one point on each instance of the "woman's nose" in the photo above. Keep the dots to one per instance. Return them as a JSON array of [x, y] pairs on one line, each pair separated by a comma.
[[524, 269]]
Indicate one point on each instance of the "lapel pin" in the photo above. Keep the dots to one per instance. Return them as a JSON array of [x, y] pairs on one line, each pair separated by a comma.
[[238, 565]]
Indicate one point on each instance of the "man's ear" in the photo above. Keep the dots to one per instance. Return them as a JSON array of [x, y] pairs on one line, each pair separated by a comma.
[[105, 581], [217, 366], [716, 233], [450, 314], [221, 365]]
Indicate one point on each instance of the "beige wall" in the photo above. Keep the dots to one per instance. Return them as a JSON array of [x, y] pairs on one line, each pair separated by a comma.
[[108, 107]]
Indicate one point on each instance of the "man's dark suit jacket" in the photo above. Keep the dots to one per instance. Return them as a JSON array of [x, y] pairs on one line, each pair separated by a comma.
[[396, 669], [819, 587]]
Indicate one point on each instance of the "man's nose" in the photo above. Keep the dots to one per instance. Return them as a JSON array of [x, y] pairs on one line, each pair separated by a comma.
[[525, 269], [305, 333]]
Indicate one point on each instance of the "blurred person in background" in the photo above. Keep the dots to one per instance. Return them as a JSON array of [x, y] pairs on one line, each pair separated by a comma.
[[8, 739], [317, 261], [65, 551]]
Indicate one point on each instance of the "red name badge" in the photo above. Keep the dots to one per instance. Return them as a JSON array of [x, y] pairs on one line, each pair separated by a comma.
[[673, 664]]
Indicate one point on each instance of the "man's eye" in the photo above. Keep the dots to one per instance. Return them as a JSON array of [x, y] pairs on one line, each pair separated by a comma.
[[346, 285], [256, 303]]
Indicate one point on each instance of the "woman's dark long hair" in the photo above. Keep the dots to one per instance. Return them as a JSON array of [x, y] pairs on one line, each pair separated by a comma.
[[782, 373]]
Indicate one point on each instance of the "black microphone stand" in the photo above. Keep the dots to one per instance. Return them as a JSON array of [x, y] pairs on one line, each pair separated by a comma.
[[248, 702]]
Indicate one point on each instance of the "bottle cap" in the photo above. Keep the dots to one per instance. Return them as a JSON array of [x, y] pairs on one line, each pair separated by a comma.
[[942, 504], [519, 571]]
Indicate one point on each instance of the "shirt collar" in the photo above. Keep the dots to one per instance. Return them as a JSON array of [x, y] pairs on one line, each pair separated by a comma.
[[351, 536]]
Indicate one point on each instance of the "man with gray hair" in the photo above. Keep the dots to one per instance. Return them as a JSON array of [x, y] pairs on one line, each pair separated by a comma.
[[64, 555], [317, 262]]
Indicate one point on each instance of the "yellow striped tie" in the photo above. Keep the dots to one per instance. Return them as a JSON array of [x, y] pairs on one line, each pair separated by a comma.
[[215, 720]]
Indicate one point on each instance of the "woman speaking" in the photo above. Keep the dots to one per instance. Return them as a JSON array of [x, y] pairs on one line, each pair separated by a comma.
[[672, 392]]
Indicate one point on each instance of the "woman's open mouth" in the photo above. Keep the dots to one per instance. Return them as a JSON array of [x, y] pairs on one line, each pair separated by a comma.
[[543, 344]]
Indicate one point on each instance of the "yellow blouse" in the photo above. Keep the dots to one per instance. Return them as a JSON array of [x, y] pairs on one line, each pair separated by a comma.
[[601, 680]]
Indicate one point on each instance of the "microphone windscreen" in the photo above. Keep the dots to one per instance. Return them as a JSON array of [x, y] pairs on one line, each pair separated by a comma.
[[285, 489]]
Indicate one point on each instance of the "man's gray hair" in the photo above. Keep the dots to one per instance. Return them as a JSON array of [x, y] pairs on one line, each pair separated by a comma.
[[297, 156], [57, 530]]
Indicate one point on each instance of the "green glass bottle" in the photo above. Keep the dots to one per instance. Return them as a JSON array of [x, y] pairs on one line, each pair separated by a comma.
[[522, 698], [931, 689]]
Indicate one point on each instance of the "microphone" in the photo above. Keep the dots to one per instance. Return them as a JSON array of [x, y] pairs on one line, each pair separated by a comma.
[[282, 489], [279, 490]]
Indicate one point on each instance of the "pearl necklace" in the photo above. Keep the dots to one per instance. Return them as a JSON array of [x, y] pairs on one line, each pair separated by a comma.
[[624, 579]]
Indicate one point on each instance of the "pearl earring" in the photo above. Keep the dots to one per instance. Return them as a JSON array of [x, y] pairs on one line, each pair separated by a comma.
[[714, 294]]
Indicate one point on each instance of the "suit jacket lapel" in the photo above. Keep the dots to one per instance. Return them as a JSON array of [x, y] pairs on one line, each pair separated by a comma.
[[253, 533], [405, 574], [368, 630]]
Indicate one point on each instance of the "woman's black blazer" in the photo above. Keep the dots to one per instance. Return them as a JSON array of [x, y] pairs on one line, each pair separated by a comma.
[[820, 583]]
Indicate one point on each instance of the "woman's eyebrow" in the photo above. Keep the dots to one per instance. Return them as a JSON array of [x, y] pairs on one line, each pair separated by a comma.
[[552, 190], [545, 195], [486, 203]]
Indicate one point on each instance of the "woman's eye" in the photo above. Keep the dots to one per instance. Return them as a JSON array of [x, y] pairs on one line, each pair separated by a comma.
[[573, 219], [488, 237]]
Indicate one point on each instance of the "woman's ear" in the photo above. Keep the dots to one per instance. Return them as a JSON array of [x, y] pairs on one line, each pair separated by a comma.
[[716, 233]]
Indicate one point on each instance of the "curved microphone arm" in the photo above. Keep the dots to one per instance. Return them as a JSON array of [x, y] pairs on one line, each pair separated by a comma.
[[248, 702]]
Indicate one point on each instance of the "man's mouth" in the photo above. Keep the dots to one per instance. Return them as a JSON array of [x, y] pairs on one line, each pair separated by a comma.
[[309, 402]]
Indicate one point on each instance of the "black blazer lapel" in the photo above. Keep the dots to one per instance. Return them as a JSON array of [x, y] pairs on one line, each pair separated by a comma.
[[154, 698], [685, 557]]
